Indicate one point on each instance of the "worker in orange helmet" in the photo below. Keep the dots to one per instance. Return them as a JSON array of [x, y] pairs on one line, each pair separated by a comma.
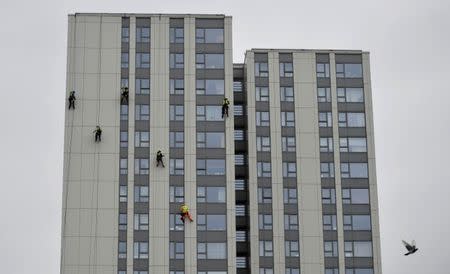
[[184, 212]]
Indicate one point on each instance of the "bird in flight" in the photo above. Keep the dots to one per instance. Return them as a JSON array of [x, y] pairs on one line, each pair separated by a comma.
[[410, 247]]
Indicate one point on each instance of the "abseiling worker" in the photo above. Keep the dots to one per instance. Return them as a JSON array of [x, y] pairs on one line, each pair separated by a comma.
[[184, 212]]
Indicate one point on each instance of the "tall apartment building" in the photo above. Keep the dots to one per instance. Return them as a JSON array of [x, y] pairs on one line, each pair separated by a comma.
[[285, 184]]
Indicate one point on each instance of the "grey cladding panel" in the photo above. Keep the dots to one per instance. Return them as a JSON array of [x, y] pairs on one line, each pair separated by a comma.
[[210, 73], [289, 156], [142, 47], [176, 48], [142, 99], [176, 236], [209, 23], [358, 262], [209, 48], [140, 236], [292, 262], [141, 152], [142, 73], [209, 99], [176, 22], [211, 181], [261, 57], [176, 99], [356, 209], [349, 82], [211, 236], [358, 235], [323, 82], [266, 261], [357, 157], [326, 156], [352, 132], [238, 73], [125, 21], [142, 22], [285, 57], [261, 82], [357, 107], [177, 264], [176, 73], [211, 153], [329, 235], [348, 58], [176, 125], [286, 81], [209, 265], [140, 264], [322, 58], [331, 262]]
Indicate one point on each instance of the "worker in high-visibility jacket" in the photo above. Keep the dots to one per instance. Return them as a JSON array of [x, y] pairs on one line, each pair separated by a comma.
[[184, 212]]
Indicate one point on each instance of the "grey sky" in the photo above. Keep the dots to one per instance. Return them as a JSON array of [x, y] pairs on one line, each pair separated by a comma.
[[409, 43]]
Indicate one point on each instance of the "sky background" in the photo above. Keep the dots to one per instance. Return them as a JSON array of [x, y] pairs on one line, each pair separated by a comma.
[[409, 42]]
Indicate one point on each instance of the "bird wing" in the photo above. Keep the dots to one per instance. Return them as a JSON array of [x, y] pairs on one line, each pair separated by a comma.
[[408, 246]]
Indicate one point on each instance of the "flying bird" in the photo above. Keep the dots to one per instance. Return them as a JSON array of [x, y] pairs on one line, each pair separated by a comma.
[[410, 247]]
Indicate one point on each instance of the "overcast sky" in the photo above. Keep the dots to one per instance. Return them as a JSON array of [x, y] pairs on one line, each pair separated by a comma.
[[409, 42]]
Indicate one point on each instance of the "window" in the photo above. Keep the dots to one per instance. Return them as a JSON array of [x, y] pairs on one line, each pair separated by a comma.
[[328, 196], [140, 250], [140, 194], [237, 86], [210, 87], [291, 248], [140, 272], [209, 36], [176, 167], [176, 112], [241, 236], [329, 222], [239, 159], [350, 95], [241, 210], [348, 71], [240, 184], [125, 34], [124, 82], [264, 169], [265, 221], [176, 250], [261, 70], [142, 60], [122, 272], [123, 166], [209, 113], [142, 34], [123, 193], [354, 170], [331, 270], [238, 110], [288, 144], [290, 270], [325, 119], [122, 250], [122, 221], [264, 195], [176, 60], [265, 248], [142, 112], [287, 119], [123, 112], [323, 95], [262, 118], [211, 272], [289, 169], [330, 248], [210, 167], [140, 221], [209, 61], [142, 86], [286, 94], [123, 139], [286, 70], [211, 251], [350, 144], [326, 170], [241, 262], [176, 272], [124, 60], [239, 135], [176, 139], [176, 35], [210, 139], [176, 86], [290, 222], [210, 194], [141, 167], [326, 144], [357, 222], [141, 139], [175, 223], [323, 70], [358, 248], [358, 271], [211, 222], [262, 94], [355, 196], [351, 119], [290, 195], [176, 194], [262, 143], [265, 270]]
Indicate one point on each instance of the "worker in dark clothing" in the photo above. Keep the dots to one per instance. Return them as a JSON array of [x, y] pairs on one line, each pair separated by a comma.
[[72, 100], [225, 106], [159, 158], [184, 212], [98, 134], [124, 97]]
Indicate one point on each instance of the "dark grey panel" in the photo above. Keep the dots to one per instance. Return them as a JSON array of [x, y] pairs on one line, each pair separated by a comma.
[[140, 264], [141, 152], [211, 153], [241, 222], [286, 81], [349, 83], [176, 180], [176, 99], [123, 125], [209, 99], [243, 270], [240, 146], [358, 262], [265, 234], [239, 98], [358, 235], [326, 132], [322, 58], [176, 153], [327, 182], [264, 182], [329, 235], [142, 22], [238, 73], [123, 179], [125, 21], [123, 152], [352, 132], [122, 235], [290, 182], [203, 265], [265, 262], [211, 236], [263, 156], [323, 82], [176, 22], [324, 106], [262, 106], [355, 183], [176, 125], [142, 73], [265, 208], [140, 235], [176, 236], [285, 57], [242, 249], [142, 47], [174, 207], [209, 48], [289, 156], [359, 157], [218, 126], [292, 262], [211, 180], [241, 171], [177, 73], [358, 107], [122, 264], [142, 99], [287, 131], [211, 208], [176, 48], [123, 207], [261, 81], [261, 57], [125, 47], [140, 207], [348, 58], [290, 235], [329, 209], [209, 23], [124, 73], [290, 208], [176, 264], [326, 156], [141, 180], [262, 131], [332, 262], [240, 121], [241, 196], [287, 106], [356, 209], [210, 73]]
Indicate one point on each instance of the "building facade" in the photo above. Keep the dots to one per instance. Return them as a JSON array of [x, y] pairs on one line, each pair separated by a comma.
[[285, 184]]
